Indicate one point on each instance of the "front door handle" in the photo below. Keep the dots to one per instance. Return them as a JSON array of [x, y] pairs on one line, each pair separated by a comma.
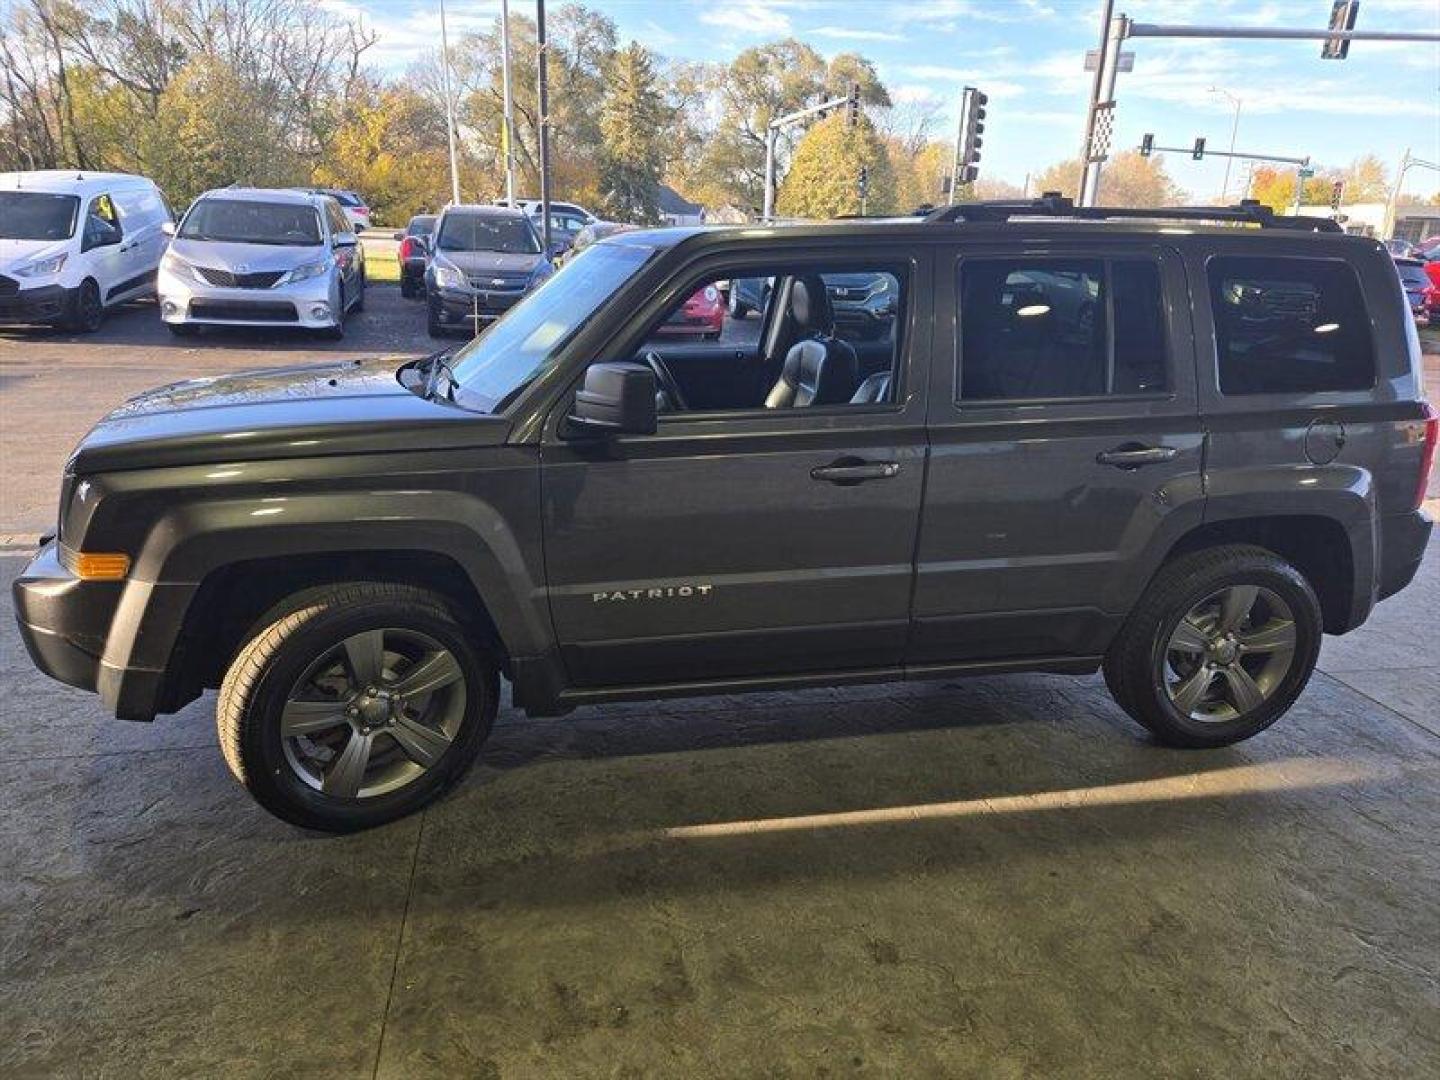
[[1134, 455], [855, 472]]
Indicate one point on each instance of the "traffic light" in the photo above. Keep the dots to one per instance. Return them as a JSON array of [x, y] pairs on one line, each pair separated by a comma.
[[1342, 17], [1337, 192], [972, 128], [1199, 151], [1147, 145], [852, 106], [864, 181]]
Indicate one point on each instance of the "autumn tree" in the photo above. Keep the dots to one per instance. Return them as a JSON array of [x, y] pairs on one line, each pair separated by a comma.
[[632, 122], [823, 178], [1128, 179]]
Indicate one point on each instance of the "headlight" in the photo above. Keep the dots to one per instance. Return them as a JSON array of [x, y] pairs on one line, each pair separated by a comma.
[[712, 294], [43, 267], [173, 264], [306, 271], [448, 277]]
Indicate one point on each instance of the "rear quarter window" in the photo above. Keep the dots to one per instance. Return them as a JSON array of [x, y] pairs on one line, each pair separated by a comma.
[[1289, 326]]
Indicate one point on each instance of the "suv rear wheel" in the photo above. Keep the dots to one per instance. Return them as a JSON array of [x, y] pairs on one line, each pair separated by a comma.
[[354, 705], [1218, 648]]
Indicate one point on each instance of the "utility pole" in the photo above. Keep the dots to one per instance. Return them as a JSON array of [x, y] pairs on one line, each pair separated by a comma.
[[449, 105], [544, 104], [1234, 130], [507, 134]]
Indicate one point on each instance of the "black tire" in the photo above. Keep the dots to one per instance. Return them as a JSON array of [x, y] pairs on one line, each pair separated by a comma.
[[407, 288], [87, 310], [293, 636], [738, 308], [182, 329], [1134, 665], [433, 326]]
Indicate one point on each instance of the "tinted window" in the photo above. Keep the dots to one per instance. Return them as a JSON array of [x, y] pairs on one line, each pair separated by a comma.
[[420, 226], [34, 215], [476, 232], [1289, 326], [1040, 328], [247, 221]]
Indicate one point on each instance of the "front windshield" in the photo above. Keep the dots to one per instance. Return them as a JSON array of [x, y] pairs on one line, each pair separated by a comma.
[[477, 232], [247, 221], [493, 367], [34, 215]]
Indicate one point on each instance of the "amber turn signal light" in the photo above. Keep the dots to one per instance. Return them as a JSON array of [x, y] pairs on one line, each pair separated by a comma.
[[94, 566]]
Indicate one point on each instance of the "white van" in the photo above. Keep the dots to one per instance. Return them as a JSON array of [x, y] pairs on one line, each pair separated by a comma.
[[75, 243]]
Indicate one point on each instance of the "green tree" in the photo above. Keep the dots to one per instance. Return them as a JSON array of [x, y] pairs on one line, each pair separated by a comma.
[[823, 178], [632, 122]]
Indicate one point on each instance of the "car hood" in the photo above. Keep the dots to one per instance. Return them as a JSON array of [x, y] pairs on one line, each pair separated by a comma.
[[492, 262], [245, 258], [14, 253], [308, 410]]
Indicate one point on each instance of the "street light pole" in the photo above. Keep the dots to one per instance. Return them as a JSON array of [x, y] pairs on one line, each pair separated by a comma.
[[507, 134], [544, 104], [1234, 131], [1407, 162], [1090, 170], [449, 105]]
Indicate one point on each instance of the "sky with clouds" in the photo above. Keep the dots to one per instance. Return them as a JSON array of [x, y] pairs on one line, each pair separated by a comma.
[[1028, 55]]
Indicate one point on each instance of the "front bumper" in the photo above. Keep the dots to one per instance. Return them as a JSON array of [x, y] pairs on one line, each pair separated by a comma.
[[307, 304], [462, 307], [44, 304], [110, 637]]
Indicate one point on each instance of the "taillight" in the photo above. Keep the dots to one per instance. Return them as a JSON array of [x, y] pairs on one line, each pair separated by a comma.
[[407, 248], [1427, 452]]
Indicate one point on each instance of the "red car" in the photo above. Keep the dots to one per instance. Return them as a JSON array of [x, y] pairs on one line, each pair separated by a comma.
[[702, 316]]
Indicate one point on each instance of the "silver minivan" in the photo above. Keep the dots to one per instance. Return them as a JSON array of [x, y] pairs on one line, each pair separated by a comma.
[[262, 257]]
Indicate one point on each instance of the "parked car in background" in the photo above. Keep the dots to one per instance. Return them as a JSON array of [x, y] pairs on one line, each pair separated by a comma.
[[483, 260], [596, 230], [747, 295], [1422, 294], [262, 257], [74, 244], [1429, 248], [566, 220], [701, 316], [353, 205], [414, 254], [1401, 249], [864, 303]]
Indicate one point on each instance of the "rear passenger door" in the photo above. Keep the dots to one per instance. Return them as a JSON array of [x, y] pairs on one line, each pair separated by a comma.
[[1066, 448]]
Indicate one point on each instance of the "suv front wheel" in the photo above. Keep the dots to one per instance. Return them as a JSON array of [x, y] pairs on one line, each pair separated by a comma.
[[354, 705], [1218, 648]]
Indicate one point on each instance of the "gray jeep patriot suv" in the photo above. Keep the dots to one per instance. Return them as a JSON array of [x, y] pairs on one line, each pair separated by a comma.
[[1173, 445]]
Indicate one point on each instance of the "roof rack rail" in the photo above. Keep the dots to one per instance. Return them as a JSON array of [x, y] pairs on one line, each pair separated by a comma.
[[1053, 204]]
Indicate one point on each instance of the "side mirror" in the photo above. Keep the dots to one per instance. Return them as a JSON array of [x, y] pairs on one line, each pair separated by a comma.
[[617, 399], [168, 228], [398, 236]]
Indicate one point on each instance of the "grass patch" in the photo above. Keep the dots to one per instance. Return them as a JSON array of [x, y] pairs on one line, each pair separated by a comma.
[[382, 268]]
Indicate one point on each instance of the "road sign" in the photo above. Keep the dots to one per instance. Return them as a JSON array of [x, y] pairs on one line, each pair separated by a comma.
[[1306, 172], [1092, 60]]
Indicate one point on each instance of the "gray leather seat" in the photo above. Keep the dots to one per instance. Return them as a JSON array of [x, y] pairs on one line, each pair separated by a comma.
[[819, 369], [873, 390]]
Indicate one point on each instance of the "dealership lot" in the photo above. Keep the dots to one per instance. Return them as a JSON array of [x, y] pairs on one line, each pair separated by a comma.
[[993, 877]]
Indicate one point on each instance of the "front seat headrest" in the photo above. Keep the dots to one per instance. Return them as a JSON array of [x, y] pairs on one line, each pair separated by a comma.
[[810, 305]]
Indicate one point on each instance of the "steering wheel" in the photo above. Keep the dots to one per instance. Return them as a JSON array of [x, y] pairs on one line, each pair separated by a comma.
[[668, 386]]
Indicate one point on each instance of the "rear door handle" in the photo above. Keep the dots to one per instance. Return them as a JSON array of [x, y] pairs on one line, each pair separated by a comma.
[[857, 472], [1133, 456]]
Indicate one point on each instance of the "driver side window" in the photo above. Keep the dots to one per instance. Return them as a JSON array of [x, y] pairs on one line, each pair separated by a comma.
[[102, 224], [770, 338]]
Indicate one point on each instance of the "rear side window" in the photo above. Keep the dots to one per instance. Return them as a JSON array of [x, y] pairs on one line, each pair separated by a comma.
[[1289, 326], [1037, 329]]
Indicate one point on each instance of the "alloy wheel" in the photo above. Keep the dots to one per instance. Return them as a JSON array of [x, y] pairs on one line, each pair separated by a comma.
[[1229, 654], [373, 714]]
